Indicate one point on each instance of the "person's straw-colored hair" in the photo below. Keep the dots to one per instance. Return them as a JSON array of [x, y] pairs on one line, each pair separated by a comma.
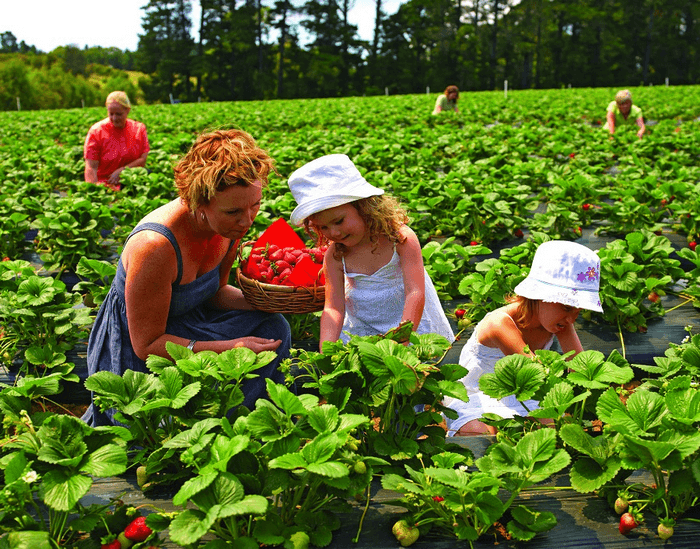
[[623, 96], [382, 215], [525, 311], [119, 97], [450, 89], [217, 160]]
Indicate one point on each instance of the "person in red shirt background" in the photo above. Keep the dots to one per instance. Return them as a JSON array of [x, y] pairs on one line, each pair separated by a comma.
[[115, 143]]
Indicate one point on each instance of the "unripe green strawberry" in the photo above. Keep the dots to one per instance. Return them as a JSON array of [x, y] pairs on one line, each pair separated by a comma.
[[621, 505], [124, 542], [665, 529], [300, 540], [405, 534], [360, 468], [141, 476]]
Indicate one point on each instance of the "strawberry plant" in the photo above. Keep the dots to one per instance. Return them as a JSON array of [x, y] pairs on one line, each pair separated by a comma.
[[47, 469], [442, 260], [448, 500], [158, 406], [290, 449], [38, 311], [68, 229], [377, 377]]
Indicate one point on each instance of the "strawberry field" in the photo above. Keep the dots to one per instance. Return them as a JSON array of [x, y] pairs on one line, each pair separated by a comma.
[[483, 189]]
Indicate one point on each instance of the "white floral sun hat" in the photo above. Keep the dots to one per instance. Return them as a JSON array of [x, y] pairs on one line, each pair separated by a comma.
[[327, 182], [564, 272]]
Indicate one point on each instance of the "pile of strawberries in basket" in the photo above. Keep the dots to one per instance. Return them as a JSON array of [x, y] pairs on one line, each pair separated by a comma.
[[288, 266]]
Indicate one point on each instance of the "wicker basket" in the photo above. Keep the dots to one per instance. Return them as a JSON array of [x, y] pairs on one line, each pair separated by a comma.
[[272, 298]]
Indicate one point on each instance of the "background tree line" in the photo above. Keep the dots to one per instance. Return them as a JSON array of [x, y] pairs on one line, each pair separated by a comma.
[[262, 49]]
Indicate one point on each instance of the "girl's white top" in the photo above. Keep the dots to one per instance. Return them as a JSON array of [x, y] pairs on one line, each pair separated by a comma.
[[480, 359], [374, 303]]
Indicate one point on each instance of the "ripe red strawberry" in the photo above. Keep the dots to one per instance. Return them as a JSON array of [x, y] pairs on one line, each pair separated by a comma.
[[6, 258], [692, 245], [627, 523], [586, 206], [137, 530], [111, 544], [473, 243], [438, 499], [276, 255], [621, 505], [572, 155], [459, 313], [664, 201], [653, 297], [282, 265], [518, 233]]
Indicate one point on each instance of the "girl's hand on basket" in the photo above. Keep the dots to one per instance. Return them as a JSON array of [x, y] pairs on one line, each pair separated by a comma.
[[257, 344]]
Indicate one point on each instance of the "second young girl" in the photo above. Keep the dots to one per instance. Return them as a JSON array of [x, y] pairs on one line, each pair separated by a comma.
[[375, 278], [564, 279]]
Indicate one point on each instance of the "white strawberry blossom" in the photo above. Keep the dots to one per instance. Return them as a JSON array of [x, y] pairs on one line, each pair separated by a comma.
[[30, 476]]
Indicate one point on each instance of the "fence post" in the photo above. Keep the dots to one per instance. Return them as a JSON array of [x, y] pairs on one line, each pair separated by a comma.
[[505, 89], [18, 104], [427, 90], [667, 81], [386, 91]]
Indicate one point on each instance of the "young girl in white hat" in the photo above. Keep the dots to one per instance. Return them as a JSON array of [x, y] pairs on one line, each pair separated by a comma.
[[564, 279], [374, 271]]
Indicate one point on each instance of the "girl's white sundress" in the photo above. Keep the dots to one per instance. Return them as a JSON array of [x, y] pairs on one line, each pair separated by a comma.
[[480, 359], [374, 303]]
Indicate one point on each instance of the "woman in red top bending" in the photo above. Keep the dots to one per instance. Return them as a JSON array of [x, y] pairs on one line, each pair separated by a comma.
[[115, 143]]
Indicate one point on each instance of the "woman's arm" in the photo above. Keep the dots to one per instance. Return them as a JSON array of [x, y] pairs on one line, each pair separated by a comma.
[[151, 267], [229, 297], [411, 260], [642, 127], [611, 122], [334, 307], [91, 170]]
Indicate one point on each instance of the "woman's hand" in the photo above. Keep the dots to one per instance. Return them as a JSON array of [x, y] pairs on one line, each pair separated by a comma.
[[257, 344], [113, 180]]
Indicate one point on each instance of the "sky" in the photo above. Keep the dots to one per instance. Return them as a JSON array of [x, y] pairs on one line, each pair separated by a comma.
[[48, 24]]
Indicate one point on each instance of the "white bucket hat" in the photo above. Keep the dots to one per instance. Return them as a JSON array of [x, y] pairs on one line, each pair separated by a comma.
[[564, 272], [325, 183]]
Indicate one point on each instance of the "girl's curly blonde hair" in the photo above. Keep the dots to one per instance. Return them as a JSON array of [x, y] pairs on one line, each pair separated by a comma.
[[382, 215], [219, 159]]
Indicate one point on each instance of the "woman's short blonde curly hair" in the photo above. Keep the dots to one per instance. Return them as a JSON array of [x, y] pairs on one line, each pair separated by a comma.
[[219, 159]]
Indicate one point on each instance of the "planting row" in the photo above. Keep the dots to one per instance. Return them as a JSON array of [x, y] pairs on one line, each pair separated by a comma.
[[279, 474]]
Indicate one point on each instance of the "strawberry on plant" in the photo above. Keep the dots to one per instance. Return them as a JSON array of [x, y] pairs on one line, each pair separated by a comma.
[[518, 233], [473, 243], [459, 313], [621, 505], [653, 297], [628, 522], [137, 530], [124, 542], [665, 529], [572, 155], [692, 244], [586, 206], [360, 468], [404, 533], [114, 544]]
